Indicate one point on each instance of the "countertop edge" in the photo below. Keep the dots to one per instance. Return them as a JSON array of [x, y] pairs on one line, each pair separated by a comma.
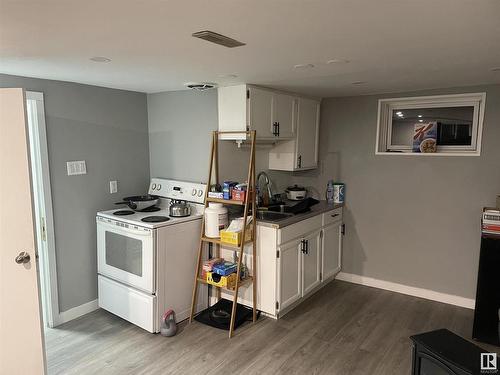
[[317, 209]]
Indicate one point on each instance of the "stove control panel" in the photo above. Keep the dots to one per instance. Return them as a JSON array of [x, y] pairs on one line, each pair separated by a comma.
[[174, 189]]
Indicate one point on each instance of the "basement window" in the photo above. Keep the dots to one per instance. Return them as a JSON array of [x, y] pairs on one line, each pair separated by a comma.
[[449, 125]]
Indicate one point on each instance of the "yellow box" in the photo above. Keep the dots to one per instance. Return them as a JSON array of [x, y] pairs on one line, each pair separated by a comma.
[[228, 281], [234, 238]]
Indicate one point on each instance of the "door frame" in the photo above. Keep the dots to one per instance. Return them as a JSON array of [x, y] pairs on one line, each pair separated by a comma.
[[43, 206]]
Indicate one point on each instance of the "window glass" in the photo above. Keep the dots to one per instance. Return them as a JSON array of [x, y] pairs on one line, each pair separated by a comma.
[[454, 125], [124, 253]]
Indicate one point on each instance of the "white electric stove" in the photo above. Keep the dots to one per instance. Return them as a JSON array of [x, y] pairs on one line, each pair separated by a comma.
[[146, 260]]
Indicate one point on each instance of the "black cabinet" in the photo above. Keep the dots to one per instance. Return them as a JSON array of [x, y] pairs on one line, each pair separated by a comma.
[[486, 313]]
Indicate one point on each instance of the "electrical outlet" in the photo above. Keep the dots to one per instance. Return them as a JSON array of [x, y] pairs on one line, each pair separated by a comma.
[[76, 167], [113, 187]]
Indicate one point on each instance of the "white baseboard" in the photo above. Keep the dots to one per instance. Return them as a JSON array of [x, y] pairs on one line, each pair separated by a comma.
[[409, 290], [77, 311]]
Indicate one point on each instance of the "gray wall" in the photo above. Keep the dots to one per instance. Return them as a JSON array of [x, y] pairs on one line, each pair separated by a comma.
[[410, 220], [108, 129], [180, 126]]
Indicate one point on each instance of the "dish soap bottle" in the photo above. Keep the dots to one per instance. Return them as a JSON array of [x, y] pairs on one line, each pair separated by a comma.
[[329, 191]]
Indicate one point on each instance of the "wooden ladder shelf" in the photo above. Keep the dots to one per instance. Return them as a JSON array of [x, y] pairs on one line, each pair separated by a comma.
[[249, 205]]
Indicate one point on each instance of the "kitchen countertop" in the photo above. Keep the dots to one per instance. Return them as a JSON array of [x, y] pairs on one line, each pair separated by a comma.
[[317, 209]]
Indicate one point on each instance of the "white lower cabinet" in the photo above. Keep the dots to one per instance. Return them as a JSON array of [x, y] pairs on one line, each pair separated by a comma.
[[292, 262], [290, 274], [331, 249], [311, 262]]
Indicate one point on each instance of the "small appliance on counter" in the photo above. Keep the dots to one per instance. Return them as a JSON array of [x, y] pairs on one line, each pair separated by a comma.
[[296, 193]]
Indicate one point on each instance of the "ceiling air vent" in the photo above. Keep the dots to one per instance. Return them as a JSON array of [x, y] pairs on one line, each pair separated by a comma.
[[200, 86], [216, 38]]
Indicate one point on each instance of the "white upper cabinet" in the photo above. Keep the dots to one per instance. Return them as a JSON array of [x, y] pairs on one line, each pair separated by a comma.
[[284, 113], [260, 112], [246, 107], [301, 152]]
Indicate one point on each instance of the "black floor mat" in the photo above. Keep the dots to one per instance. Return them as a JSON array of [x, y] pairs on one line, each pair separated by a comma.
[[219, 315]]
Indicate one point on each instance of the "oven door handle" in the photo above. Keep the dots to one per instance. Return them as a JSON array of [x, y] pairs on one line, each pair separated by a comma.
[[118, 228]]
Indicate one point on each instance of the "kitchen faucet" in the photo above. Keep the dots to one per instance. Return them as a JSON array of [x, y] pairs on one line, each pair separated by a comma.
[[267, 181]]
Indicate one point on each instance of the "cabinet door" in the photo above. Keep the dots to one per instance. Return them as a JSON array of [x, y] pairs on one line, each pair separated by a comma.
[[284, 114], [311, 263], [331, 248], [260, 112], [307, 133], [290, 274]]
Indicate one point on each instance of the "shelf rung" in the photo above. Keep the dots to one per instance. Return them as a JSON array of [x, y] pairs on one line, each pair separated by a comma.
[[242, 283], [217, 241], [225, 201]]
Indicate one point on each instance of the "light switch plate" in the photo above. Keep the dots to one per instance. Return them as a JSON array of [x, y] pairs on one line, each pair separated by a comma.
[[76, 167], [113, 187]]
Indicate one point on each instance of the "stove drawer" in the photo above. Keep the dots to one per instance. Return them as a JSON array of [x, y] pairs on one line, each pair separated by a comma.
[[132, 305]]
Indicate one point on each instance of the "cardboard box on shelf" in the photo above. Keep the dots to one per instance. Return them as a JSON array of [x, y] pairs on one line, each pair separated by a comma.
[[234, 238], [228, 281]]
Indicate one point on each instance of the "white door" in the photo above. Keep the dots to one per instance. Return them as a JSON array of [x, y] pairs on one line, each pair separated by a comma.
[[307, 133], [289, 274], [21, 338], [284, 114], [331, 245], [260, 112], [311, 262]]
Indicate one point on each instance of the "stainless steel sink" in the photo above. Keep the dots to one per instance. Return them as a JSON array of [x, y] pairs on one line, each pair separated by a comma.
[[271, 216]]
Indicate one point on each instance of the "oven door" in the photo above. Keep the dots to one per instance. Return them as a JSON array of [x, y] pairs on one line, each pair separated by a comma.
[[126, 253]]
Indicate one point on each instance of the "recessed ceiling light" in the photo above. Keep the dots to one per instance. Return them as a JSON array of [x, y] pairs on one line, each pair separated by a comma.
[[358, 83], [303, 66], [495, 69], [100, 59], [419, 115], [420, 120], [338, 61]]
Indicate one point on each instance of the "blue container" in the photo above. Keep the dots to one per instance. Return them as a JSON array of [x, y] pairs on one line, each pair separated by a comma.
[[338, 192], [225, 268]]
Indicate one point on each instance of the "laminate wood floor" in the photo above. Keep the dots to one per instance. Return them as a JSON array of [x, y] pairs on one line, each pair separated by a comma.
[[343, 329]]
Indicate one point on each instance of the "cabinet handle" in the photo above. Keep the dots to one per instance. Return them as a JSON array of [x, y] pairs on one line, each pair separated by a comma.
[[299, 161], [303, 246], [334, 215], [307, 247], [278, 128], [275, 128]]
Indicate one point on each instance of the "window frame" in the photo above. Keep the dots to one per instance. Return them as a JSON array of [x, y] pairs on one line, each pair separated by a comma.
[[386, 107]]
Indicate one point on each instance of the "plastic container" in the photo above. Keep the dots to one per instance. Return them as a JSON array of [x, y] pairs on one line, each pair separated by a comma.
[[215, 219], [329, 192]]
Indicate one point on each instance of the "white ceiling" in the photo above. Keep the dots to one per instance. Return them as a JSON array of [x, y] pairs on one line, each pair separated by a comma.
[[393, 45]]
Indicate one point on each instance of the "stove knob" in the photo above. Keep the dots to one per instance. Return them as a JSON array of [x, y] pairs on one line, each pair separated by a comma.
[[200, 193], [193, 193], [158, 187], [153, 186]]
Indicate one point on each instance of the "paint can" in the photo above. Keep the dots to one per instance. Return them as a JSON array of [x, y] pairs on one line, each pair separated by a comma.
[[338, 192]]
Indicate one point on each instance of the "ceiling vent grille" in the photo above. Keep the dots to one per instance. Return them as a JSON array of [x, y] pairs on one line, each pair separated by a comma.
[[200, 86], [216, 38]]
